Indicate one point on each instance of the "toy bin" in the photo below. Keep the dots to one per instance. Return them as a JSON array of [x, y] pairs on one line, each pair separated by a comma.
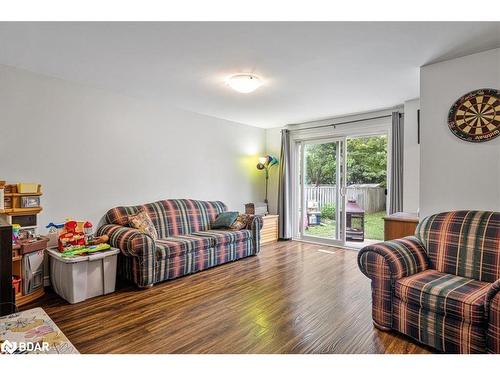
[[79, 277]]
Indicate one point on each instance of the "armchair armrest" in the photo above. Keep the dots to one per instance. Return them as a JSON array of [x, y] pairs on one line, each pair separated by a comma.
[[491, 294], [386, 262], [133, 243], [492, 311], [254, 223], [403, 257]]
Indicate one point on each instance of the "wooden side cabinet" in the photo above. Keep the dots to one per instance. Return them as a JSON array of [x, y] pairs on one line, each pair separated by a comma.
[[399, 225], [269, 231]]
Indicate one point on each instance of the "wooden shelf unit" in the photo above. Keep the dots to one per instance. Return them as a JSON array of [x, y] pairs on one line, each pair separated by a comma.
[[12, 200], [22, 211], [23, 194], [12, 196], [24, 300]]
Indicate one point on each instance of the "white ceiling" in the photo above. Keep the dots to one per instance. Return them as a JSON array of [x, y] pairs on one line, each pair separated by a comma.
[[311, 70]]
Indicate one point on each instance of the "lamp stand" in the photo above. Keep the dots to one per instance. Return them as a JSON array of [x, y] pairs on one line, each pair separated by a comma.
[[267, 181]]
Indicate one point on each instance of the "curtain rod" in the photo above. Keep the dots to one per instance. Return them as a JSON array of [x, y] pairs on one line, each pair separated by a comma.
[[344, 122]]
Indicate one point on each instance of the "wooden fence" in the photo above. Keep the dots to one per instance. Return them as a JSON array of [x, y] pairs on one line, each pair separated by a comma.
[[368, 197]]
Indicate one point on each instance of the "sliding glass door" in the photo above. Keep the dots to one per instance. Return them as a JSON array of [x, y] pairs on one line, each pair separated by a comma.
[[339, 181], [321, 206]]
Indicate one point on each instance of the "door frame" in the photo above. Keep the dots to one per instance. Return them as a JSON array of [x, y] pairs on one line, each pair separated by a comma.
[[368, 127]]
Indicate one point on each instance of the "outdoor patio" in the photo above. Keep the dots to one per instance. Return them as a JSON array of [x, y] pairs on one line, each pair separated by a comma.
[[374, 227]]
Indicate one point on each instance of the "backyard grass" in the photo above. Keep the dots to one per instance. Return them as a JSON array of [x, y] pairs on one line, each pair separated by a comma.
[[326, 229], [374, 227]]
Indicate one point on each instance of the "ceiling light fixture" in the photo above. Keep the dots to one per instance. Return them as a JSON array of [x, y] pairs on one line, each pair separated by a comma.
[[244, 83]]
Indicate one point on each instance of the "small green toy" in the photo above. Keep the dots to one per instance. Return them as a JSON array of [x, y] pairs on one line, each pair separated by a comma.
[[79, 250]]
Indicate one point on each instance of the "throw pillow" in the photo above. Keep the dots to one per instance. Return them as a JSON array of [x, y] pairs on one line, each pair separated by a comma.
[[240, 223], [225, 219], [142, 222]]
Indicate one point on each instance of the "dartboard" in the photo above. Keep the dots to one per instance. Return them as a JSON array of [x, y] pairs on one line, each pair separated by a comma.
[[475, 117]]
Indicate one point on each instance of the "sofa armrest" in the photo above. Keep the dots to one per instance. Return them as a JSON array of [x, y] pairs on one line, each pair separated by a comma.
[[254, 224], [139, 247], [403, 257], [492, 311], [130, 241]]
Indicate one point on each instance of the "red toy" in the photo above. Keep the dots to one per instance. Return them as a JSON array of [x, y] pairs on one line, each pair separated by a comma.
[[70, 237]]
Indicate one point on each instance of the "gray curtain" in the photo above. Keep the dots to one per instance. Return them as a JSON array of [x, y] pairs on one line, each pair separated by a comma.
[[396, 197], [284, 190]]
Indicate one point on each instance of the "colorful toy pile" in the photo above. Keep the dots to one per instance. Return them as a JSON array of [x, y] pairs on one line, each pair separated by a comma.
[[76, 238]]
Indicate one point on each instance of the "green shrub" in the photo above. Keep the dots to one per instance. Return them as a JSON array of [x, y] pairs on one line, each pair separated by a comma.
[[328, 211]]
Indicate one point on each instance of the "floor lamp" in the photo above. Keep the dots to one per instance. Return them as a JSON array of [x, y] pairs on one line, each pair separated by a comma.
[[265, 163]]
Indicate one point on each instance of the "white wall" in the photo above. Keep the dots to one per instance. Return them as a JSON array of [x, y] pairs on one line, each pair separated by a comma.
[[93, 150], [411, 168], [455, 174]]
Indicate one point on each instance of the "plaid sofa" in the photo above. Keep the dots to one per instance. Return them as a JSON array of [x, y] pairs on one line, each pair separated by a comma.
[[185, 243], [442, 286]]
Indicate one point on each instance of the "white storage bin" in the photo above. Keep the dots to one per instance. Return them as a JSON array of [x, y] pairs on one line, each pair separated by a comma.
[[81, 277]]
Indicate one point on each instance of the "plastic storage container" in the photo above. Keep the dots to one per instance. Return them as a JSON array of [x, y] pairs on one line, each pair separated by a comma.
[[81, 277]]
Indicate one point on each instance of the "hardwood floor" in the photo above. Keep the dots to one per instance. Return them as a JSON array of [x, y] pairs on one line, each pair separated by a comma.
[[291, 298]]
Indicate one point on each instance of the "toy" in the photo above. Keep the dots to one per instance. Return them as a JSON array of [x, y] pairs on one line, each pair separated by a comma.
[[15, 232], [78, 236], [53, 233], [87, 230], [70, 236], [81, 250], [54, 227]]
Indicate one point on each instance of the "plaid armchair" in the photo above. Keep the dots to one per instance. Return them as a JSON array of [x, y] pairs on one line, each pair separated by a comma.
[[442, 286], [185, 243]]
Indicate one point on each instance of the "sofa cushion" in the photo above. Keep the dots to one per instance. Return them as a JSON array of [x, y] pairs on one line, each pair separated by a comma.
[[175, 246], [224, 220], [445, 294], [241, 222], [142, 222], [222, 237]]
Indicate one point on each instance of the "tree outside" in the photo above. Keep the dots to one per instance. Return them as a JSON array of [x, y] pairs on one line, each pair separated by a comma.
[[366, 162], [321, 164]]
